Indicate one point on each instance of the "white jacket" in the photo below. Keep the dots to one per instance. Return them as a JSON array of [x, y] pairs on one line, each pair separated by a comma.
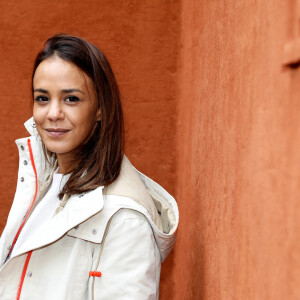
[[123, 231]]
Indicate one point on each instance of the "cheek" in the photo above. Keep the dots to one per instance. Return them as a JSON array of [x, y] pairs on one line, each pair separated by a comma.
[[39, 117], [38, 112], [84, 120]]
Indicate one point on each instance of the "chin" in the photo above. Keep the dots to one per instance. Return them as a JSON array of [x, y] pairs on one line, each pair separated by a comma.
[[57, 150]]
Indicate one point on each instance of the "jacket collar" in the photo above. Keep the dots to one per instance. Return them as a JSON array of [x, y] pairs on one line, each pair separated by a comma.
[[30, 126], [78, 209]]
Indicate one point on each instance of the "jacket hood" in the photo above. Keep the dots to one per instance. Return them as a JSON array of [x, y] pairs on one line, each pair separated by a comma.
[[161, 208]]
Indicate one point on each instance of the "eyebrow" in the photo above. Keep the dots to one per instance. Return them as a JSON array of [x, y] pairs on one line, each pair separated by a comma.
[[65, 91]]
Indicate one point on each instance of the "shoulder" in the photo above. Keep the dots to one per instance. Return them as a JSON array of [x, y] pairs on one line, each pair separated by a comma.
[[130, 184], [116, 210], [126, 211]]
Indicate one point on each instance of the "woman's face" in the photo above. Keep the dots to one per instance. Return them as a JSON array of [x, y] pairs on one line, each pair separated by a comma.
[[65, 106]]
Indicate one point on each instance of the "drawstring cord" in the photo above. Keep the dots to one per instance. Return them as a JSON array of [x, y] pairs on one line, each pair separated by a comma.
[[62, 204], [95, 273]]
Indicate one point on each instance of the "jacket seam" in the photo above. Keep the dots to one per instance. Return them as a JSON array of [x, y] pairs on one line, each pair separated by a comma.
[[141, 218]]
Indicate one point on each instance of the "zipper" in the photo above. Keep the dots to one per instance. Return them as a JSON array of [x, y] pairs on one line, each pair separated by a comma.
[[25, 266], [28, 211], [24, 270]]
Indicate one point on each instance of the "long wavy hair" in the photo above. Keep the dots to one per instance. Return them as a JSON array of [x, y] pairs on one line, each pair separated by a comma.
[[98, 160]]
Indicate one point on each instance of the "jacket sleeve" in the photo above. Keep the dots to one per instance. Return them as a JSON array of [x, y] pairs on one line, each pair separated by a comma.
[[130, 260]]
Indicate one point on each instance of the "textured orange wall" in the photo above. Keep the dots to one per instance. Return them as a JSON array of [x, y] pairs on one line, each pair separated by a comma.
[[238, 153], [211, 114]]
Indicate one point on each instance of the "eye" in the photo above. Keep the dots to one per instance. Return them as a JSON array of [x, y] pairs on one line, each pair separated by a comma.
[[72, 99], [41, 99]]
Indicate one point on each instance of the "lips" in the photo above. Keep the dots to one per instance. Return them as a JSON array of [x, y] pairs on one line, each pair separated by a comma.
[[57, 132]]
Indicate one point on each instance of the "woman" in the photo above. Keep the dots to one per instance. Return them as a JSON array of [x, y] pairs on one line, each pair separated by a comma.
[[84, 224]]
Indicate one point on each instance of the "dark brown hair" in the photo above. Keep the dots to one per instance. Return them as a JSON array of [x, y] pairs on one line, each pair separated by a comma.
[[98, 160]]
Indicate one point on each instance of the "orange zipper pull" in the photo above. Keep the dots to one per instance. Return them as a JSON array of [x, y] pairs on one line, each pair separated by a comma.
[[95, 274]]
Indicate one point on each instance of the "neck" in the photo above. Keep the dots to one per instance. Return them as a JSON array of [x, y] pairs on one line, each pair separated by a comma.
[[65, 163]]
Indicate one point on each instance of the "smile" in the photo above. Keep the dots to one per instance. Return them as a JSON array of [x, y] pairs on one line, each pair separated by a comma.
[[57, 132]]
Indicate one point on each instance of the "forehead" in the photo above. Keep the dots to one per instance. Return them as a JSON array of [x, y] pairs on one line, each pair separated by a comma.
[[56, 72]]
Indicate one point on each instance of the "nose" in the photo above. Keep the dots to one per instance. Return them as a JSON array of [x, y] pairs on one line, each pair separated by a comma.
[[55, 111]]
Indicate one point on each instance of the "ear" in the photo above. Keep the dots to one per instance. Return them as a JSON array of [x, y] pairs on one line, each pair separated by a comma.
[[98, 115]]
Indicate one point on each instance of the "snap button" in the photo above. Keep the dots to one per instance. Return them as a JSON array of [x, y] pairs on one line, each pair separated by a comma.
[[94, 231], [33, 125], [76, 227], [22, 147], [80, 196], [25, 162], [29, 274], [22, 179]]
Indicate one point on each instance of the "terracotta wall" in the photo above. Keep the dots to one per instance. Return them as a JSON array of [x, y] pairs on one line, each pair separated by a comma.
[[212, 113], [238, 150]]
